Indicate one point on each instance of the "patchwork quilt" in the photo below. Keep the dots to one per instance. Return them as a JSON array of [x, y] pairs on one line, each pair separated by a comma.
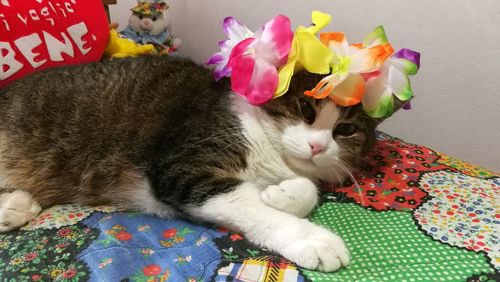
[[413, 215]]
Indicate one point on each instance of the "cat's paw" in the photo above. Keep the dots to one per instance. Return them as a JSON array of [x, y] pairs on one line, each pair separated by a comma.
[[319, 250], [16, 209], [296, 196]]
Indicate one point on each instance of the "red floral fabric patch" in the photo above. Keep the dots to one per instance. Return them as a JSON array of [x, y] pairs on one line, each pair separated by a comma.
[[391, 179]]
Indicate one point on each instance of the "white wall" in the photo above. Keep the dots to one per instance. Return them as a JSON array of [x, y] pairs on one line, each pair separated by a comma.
[[119, 13], [457, 108]]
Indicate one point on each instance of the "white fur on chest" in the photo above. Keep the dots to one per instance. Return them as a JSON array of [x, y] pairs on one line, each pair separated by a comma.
[[265, 165]]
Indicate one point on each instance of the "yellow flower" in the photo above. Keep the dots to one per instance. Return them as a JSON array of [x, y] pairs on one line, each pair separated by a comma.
[[55, 272], [72, 235], [16, 261], [119, 227], [306, 52], [166, 243], [178, 239]]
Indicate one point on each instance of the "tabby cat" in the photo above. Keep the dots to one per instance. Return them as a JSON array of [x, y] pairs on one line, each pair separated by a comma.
[[160, 136]]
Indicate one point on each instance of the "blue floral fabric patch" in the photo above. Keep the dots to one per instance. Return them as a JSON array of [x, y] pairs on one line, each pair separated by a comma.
[[138, 247]]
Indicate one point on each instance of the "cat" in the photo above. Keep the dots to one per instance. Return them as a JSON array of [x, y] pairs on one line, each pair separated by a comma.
[[158, 135]]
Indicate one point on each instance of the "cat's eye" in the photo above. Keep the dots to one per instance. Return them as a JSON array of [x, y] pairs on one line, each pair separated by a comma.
[[307, 111], [153, 19], [141, 17], [344, 130]]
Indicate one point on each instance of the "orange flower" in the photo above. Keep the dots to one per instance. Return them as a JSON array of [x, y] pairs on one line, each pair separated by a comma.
[[345, 85]]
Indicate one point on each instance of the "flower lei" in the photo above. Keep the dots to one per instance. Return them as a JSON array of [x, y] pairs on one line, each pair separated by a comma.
[[156, 8], [261, 64]]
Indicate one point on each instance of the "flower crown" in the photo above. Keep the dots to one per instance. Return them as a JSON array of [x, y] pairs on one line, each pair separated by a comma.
[[150, 9], [261, 64]]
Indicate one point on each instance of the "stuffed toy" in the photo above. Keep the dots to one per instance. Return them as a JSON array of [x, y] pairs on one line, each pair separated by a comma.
[[119, 47], [148, 25]]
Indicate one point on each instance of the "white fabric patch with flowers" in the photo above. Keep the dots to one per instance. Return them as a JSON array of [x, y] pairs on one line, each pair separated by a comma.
[[63, 215], [464, 211]]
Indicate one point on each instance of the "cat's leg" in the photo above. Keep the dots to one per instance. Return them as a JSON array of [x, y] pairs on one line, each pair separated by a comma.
[[142, 199], [298, 240], [296, 196], [16, 209]]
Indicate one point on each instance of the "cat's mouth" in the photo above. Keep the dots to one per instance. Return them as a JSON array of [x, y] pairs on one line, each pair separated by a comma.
[[302, 163]]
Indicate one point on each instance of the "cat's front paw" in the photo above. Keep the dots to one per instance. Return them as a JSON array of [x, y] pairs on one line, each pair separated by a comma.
[[16, 209], [296, 196], [320, 250]]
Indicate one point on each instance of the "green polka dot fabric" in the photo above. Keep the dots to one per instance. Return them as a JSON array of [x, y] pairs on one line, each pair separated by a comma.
[[388, 246]]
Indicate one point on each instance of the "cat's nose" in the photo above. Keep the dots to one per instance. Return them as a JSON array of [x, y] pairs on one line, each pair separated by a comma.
[[316, 149]]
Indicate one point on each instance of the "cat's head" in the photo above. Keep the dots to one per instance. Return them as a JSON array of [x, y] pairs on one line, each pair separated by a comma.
[[317, 138]]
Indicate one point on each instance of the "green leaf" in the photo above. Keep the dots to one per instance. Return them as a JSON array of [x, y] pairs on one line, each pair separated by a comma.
[[253, 253]]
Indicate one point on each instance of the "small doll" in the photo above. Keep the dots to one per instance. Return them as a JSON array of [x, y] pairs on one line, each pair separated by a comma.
[[148, 25]]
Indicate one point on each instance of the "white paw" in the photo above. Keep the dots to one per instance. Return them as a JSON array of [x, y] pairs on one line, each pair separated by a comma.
[[17, 209], [296, 196], [320, 250]]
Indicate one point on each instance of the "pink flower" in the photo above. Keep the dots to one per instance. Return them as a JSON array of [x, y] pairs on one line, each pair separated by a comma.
[[64, 232], [30, 256], [254, 62], [70, 273], [236, 32], [62, 245], [236, 237], [147, 251], [252, 59], [36, 277]]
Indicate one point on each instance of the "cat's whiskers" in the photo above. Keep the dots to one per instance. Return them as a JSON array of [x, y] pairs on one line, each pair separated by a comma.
[[341, 184], [341, 194], [358, 189], [330, 171]]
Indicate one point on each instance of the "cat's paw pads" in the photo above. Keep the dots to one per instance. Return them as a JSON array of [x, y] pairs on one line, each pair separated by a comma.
[[296, 196], [323, 252], [16, 209]]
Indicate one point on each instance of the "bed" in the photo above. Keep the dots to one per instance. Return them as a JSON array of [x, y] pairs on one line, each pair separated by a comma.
[[415, 215]]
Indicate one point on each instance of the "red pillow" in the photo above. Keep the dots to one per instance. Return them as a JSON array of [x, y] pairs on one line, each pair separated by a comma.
[[39, 34]]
